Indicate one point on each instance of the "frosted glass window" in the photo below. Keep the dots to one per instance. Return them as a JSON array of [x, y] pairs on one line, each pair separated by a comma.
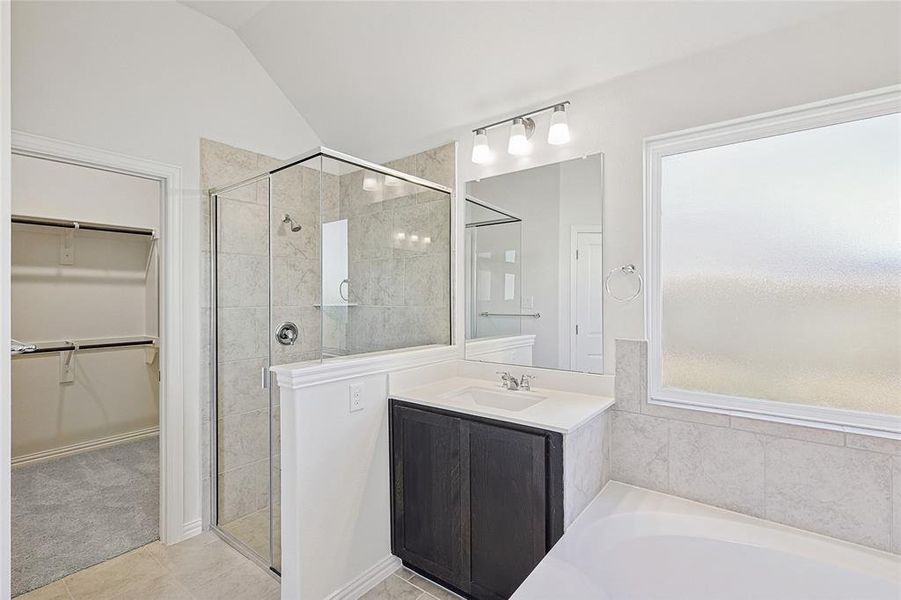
[[780, 273]]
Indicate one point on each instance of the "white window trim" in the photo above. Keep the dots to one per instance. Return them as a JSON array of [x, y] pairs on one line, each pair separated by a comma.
[[864, 105]]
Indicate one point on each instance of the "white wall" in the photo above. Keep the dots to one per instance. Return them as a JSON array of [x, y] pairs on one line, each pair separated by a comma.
[[850, 51], [148, 79]]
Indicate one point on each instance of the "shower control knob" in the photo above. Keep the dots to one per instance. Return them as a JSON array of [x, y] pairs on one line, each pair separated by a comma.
[[286, 334]]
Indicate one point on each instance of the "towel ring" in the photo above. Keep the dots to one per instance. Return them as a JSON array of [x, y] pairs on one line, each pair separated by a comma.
[[626, 270]]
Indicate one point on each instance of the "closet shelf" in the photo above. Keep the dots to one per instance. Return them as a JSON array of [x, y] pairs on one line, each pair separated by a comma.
[[86, 344]]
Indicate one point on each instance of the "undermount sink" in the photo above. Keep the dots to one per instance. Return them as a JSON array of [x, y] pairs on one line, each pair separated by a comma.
[[504, 400]]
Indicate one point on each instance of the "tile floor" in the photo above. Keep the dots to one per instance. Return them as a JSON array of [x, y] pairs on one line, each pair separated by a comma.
[[407, 585], [201, 568]]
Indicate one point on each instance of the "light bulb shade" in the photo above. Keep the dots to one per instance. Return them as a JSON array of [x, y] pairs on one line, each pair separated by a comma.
[[518, 143], [559, 131], [481, 152]]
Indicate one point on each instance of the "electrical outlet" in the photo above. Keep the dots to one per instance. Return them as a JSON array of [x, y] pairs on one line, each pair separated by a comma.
[[356, 397]]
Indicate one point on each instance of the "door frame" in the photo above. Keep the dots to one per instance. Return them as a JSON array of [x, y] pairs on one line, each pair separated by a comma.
[[172, 330], [574, 232]]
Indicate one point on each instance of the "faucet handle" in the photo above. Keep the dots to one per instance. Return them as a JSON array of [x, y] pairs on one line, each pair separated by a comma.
[[506, 378], [525, 382]]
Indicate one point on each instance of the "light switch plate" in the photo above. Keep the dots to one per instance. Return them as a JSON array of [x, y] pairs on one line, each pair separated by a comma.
[[356, 397]]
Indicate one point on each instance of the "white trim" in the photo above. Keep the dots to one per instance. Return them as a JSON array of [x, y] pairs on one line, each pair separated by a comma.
[[192, 528], [478, 347], [5, 269], [80, 447], [574, 232], [864, 105], [300, 375], [174, 436], [367, 580]]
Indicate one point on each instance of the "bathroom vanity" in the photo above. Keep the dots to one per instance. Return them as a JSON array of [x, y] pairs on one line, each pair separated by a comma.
[[482, 478]]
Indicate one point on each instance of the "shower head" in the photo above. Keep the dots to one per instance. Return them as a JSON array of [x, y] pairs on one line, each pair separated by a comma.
[[290, 222]]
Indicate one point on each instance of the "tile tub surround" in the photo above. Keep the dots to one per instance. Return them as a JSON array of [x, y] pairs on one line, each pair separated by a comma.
[[200, 568], [586, 465], [839, 484]]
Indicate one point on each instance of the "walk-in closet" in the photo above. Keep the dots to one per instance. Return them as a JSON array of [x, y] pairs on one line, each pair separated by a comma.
[[85, 368]]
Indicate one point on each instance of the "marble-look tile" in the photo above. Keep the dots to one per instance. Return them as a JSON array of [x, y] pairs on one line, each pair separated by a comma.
[[437, 165], [413, 231], [243, 333], [404, 573], [334, 329], [387, 282], [167, 587], [896, 504], [795, 432], [433, 589], [239, 386], [841, 492], [243, 490], [221, 165], [631, 374], [253, 530], [392, 588], [639, 450], [275, 419], [298, 244], [126, 574], [295, 281], [584, 458], [427, 280], [286, 189], [54, 591], [359, 273], [873, 443], [243, 280], [717, 465], [309, 326], [243, 439], [369, 235], [243, 228], [244, 580], [205, 277]]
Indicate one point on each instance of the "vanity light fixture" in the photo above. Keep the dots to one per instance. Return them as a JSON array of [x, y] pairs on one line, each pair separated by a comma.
[[481, 152], [559, 131], [520, 132], [521, 129]]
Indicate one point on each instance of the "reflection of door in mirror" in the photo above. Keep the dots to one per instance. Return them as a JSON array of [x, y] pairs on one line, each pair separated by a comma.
[[533, 267]]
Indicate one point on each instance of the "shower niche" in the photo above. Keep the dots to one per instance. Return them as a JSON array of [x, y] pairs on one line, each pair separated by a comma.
[[320, 258]]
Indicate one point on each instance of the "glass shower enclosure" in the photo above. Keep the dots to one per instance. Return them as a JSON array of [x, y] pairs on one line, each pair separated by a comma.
[[324, 257]]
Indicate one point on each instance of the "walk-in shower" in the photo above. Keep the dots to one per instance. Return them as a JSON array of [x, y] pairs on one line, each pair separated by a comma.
[[319, 258]]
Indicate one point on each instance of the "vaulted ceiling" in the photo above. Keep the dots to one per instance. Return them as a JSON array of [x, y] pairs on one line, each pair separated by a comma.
[[382, 79]]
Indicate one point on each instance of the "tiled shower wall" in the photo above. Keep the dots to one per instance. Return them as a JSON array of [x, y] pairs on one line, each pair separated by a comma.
[[399, 255], [839, 484], [402, 289]]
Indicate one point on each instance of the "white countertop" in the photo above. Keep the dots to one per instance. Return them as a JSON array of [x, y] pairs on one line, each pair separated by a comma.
[[561, 411]]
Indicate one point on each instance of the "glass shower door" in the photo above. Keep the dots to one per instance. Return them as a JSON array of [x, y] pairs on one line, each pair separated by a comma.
[[241, 350]]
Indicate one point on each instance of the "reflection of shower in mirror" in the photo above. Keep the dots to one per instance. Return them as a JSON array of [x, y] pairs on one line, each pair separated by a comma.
[[295, 227]]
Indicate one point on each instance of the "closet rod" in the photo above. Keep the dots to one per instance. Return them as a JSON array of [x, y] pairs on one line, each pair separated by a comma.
[[88, 345], [23, 220]]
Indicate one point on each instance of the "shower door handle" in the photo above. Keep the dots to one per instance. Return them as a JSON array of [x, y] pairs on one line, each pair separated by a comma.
[[264, 378]]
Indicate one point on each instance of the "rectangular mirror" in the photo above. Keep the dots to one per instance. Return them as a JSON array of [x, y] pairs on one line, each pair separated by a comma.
[[534, 274]]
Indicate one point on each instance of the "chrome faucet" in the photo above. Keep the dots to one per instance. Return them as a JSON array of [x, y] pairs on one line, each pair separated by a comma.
[[509, 382]]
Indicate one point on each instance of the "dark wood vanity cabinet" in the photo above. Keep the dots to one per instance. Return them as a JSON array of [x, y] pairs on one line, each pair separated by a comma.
[[476, 503]]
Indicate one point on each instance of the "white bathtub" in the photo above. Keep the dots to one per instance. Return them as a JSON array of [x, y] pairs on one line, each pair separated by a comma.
[[632, 543]]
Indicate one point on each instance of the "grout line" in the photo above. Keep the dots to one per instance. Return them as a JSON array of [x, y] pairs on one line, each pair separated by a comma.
[[66, 587]]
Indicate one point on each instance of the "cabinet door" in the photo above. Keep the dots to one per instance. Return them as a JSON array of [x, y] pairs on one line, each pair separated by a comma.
[[431, 494], [508, 516]]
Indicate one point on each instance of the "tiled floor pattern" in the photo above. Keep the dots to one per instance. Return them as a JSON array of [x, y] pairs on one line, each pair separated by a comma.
[[253, 530], [406, 585], [201, 568]]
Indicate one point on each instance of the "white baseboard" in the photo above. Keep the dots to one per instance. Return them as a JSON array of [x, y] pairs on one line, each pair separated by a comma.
[[85, 446], [367, 580], [191, 528]]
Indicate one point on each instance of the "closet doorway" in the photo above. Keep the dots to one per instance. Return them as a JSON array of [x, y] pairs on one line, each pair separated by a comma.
[[86, 402]]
